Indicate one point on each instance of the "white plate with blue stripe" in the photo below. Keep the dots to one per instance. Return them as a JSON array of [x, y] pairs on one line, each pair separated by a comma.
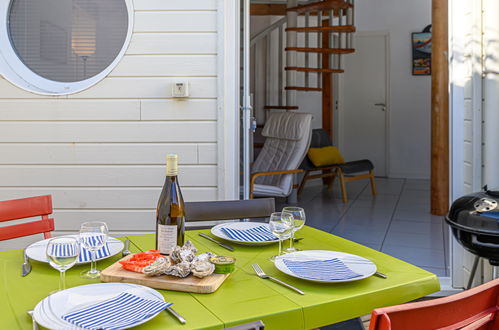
[[37, 251], [48, 312], [305, 265], [218, 232]]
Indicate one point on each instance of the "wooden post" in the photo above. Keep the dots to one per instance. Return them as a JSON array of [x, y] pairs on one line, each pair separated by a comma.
[[327, 97], [440, 109]]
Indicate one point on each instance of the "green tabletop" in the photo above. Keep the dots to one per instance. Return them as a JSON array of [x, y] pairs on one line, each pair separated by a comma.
[[243, 297]]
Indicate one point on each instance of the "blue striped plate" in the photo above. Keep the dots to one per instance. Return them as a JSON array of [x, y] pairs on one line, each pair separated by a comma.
[[321, 270], [325, 266], [255, 234], [100, 305], [116, 313], [85, 254], [260, 230]]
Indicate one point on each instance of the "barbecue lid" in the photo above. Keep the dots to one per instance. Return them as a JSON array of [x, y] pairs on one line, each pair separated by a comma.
[[476, 212]]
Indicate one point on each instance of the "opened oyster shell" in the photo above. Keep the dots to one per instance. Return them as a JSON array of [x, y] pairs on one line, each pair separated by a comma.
[[186, 253], [182, 269], [158, 267], [202, 268]]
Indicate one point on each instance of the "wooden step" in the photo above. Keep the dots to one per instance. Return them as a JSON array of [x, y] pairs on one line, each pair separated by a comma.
[[321, 50], [295, 68], [280, 107], [337, 28], [303, 89], [321, 6]]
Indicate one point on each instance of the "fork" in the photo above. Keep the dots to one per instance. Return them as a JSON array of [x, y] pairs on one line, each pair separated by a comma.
[[35, 325], [126, 251], [262, 274]]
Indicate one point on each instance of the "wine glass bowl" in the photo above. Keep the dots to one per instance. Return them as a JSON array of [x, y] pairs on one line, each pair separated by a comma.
[[281, 225], [299, 218], [62, 253], [93, 236]]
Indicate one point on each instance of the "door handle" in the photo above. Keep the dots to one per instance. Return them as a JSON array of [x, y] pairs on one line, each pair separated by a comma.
[[382, 105]]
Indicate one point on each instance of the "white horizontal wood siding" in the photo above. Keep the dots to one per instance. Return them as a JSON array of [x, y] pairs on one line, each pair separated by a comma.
[[466, 87], [100, 153]]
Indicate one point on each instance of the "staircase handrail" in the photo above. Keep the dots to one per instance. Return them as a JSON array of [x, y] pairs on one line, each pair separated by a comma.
[[269, 29]]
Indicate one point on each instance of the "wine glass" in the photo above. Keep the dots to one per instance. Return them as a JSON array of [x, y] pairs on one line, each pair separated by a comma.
[[62, 253], [298, 221], [93, 236], [281, 225]]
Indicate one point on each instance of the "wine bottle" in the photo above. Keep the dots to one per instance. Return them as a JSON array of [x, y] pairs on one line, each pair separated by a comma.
[[170, 214]]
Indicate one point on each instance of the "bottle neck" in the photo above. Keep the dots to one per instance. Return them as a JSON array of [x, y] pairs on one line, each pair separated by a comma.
[[171, 167]]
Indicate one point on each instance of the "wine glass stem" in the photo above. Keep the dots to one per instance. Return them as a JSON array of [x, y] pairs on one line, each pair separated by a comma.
[[62, 281], [292, 240], [280, 247], [93, 266]]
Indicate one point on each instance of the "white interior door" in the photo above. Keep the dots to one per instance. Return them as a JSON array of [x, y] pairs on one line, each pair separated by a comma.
[[363, 102]]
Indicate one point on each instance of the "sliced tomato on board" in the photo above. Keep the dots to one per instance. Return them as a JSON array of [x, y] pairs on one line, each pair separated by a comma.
[[138, 261]]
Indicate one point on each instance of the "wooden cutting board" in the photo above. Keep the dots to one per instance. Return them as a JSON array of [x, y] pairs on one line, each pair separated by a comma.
[[209, 284]]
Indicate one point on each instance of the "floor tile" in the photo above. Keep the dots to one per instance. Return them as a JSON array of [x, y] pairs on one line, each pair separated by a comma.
[[362, 236], [436, 270], [419, 215], [404, 226], [416, 256], [432, 241]]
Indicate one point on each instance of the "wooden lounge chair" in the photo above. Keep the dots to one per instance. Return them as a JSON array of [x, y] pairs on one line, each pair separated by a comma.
[[347, 172], [287, 140]]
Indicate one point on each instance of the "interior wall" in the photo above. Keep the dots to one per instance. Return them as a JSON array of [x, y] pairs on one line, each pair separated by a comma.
[[410, 96]]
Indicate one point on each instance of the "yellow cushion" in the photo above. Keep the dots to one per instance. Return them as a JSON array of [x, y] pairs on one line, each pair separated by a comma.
[[325, 156]]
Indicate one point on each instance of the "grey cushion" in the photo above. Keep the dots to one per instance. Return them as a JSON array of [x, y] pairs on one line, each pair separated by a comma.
[[288, 138]]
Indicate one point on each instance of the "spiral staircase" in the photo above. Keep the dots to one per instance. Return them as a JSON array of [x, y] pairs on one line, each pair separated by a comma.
[[299, 52]]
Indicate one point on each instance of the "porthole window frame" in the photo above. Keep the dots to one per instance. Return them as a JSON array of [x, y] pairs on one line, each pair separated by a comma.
[[15, 71]]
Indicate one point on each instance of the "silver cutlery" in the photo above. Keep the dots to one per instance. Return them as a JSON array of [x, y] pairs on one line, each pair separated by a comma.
[[26, 267], [380, 275], [262, 274], [298, 239], [227, 246], [174, 313], [138, 248], [126, 251], [35, 325]]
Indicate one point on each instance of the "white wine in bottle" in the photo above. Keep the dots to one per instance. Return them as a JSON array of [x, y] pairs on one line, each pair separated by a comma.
[[170, 212]]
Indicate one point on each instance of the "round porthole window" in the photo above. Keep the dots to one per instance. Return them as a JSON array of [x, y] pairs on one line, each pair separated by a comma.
[[60, 47]]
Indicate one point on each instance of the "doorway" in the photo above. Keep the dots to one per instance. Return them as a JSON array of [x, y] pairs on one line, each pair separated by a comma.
[[362, 123]]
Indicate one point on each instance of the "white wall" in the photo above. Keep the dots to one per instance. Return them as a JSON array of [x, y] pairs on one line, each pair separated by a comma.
[[101, 152], [410, 96]]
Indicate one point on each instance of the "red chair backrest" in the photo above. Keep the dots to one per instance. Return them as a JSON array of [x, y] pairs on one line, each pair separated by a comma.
[[26, 208], [472, 309]]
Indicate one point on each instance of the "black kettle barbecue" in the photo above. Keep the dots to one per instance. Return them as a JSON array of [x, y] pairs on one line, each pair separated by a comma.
[[474, 220]]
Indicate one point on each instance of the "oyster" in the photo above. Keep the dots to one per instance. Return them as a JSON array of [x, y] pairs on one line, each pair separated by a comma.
[[182, 269], [204, 257], [202, 268], [186, 253], [158, 267]]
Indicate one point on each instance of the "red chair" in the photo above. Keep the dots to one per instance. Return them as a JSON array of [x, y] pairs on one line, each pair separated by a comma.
[[472, 309], [26, 208]]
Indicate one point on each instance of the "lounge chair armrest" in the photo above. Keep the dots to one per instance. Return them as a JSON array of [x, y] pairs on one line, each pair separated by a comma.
[[256, 175]]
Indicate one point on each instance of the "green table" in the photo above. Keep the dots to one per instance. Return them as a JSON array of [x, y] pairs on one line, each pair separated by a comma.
[[243, 297]]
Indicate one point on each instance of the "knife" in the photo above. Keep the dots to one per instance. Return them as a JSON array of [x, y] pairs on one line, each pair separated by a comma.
[[26, 267], [228, 247], [177, 315]]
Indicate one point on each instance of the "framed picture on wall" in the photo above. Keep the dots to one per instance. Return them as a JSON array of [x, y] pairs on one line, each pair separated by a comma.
[[421, 54]]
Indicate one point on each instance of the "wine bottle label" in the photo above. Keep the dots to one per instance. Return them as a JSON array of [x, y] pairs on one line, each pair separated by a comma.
[[167, 238]]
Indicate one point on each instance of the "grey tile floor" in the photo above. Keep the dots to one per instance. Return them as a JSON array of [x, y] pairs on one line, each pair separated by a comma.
[[397, 221]]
